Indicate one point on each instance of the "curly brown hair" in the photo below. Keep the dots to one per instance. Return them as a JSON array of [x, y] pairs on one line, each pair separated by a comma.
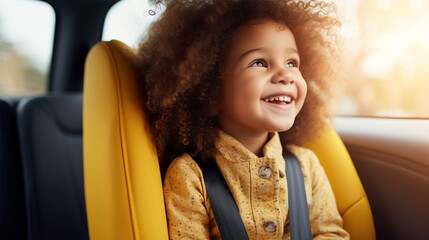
[[181, 56]]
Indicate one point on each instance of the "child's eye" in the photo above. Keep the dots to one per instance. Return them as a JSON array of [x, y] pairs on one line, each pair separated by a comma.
[[258, 63], [292, 63]]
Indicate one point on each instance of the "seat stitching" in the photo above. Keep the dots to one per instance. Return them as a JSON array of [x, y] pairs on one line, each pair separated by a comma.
[[354, 204], [134, 223]]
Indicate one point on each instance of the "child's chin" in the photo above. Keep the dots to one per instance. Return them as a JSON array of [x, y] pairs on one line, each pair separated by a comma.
[[282, 129], [285, 127]]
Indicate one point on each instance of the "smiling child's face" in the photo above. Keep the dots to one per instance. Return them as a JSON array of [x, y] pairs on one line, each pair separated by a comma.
[[263, 89]]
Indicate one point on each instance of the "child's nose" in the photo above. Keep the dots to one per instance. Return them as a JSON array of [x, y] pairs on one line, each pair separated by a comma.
[[283, 76]]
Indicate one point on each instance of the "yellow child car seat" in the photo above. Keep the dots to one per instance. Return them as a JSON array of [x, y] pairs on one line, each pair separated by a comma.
[[123, 185]]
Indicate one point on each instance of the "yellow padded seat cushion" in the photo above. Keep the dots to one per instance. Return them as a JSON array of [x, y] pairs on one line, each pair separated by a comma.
[[123, 185], [351, 198]]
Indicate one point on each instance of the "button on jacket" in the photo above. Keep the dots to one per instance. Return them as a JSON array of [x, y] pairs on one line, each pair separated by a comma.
[[259, 187]]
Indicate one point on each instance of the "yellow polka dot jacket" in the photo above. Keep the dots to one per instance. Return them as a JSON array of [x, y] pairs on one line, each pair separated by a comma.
[[259, 187]]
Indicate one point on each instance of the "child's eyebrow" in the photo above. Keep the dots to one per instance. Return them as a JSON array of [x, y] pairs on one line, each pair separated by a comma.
[[289, 51], [252, 50], [292, 50]]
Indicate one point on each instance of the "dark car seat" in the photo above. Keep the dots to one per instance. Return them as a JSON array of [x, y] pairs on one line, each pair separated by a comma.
[[50, 134], [12, 203]]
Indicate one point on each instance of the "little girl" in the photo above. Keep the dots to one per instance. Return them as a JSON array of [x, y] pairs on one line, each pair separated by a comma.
[[225, 80]]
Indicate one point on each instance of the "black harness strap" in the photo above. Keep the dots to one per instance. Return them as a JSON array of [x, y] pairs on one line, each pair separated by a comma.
[[226, 212], [225, 209], [299, 220]]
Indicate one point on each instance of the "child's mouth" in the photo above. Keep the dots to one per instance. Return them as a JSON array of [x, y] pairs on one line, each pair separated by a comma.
[[278, 100]]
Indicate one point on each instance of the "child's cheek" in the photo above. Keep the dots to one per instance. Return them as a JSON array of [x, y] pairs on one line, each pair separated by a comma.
[[302, 92]]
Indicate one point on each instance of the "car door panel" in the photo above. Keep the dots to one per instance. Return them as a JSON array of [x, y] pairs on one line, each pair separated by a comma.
[[392, 159]]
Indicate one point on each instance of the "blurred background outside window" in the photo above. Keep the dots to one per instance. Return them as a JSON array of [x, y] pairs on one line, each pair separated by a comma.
[[386, 43], [26, 39], [386, 51], [128, 21]]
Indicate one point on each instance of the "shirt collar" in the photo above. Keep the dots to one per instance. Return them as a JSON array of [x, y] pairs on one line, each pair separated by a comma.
[[232, 150]]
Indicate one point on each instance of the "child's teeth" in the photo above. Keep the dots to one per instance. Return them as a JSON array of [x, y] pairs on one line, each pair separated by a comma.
[[286, 99]]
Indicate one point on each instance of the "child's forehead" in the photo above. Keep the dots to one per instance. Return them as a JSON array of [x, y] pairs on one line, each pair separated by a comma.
[[260, 36]]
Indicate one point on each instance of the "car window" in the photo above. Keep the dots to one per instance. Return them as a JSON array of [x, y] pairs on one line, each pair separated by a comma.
[[128, 21], [386, 44], [386, 50], [26, 39]]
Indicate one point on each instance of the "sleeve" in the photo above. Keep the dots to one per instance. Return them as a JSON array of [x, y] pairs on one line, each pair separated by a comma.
[[185, 198], [326, 222]]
